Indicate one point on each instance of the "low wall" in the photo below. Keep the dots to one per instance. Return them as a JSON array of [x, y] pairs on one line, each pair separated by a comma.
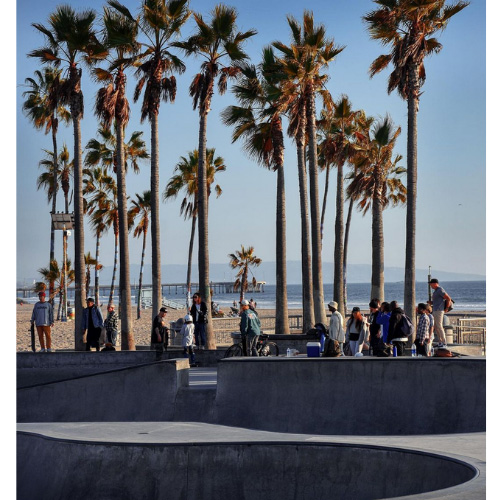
[[354, 396], [143, 392], [254, 471]]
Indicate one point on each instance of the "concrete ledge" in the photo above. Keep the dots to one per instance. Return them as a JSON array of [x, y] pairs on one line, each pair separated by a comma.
[[141, 392], [382, 396], [186, 461]]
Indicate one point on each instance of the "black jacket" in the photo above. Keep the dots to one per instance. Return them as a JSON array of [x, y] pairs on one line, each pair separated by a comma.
[[204, 313], [395, 325]]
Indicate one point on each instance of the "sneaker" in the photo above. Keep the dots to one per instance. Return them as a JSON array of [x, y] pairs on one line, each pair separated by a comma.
[[202, 347], [42, 350], [440, 345], [50, 350]]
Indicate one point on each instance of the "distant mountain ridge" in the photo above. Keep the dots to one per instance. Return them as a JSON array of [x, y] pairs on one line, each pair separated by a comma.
[[356, 273]]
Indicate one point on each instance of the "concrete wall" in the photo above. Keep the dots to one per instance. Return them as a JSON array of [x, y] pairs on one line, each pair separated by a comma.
[[253, 471], [142, 392], [355, 396]]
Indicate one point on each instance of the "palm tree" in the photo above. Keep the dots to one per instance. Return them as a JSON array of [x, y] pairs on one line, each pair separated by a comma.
[[43, 108], [409, 28], [89, 263], [258, 122], [112, 108], [97, 184], [70, 38], [56, 275], [217, 42], [242, 260], [65, 174], [312, 52], [140, 210], [186, 179], [337, 126], [377, 185], [159, 22]]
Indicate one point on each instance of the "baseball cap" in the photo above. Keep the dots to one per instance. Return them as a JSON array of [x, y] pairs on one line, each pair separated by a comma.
[[434, 280], [163, 310], [245, 302], [41, 294]]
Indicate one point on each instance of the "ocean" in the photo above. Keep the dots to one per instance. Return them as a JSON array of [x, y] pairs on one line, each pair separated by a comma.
[[468, 295]]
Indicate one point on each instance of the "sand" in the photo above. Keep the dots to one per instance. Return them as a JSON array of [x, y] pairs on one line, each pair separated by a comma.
[[63, 333]]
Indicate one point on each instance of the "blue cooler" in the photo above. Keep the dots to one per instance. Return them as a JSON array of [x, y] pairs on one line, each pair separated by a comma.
[[313, 349]]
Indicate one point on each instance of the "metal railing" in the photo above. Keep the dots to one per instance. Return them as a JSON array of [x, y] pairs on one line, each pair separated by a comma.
[[471, 331], [266, 323]]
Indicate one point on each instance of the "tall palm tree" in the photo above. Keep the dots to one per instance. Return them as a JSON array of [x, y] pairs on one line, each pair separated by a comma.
[[312, 51], [377, 185], [186, 179], [160, 21], [140, 211], [337, 126], [44, 109], [70, 39], [242, 260], [113, 109], [258, 122], [409, 28], [65, 174], [219, 43]]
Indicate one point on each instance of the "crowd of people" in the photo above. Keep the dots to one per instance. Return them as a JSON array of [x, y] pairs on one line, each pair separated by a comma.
[[387, 328]]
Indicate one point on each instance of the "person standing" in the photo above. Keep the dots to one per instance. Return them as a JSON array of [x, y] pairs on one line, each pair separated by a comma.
[[356, 331], [375, 329], [396, 336], [159, 333], [92, 324], [336, 326], [199, 312], [187, 335], [423, 327], [441, 303], [43, 318], [249, 329], [383, 319], [111, 325]]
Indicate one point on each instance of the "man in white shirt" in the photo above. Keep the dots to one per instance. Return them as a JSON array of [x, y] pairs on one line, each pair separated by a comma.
[[336, 327]]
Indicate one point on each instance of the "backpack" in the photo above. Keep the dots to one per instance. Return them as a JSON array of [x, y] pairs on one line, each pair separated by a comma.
[[406, 326], [332, 348]]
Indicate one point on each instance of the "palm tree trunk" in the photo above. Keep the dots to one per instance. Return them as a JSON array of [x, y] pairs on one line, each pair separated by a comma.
[[155, 218], [377, 289], [338, 270], [127, 335], [80, 291], [54, 207], [325, 195], [96, 269], [203, 254], [139, 293], [115, 264], [411, 203], [190, 252], [346, 243], [307, 296], [281, 325], [317, 267]]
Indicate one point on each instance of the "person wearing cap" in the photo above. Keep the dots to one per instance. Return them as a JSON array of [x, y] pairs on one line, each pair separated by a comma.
[[111, 325], [199, 312], [336, 326], [92, 324], [249, 329], [43, 318], [441, 303], [159, 333], [356, 331], [187, 335], [396, 335]]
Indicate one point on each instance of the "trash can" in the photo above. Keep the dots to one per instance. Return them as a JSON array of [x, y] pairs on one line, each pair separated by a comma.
[[313, 349], [448, 329], [71, 313]]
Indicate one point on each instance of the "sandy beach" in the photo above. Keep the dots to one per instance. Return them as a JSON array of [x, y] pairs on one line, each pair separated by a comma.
[[63, 333]]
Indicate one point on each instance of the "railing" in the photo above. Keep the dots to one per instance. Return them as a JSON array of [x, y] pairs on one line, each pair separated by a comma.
[[266, 323], [471, 331]]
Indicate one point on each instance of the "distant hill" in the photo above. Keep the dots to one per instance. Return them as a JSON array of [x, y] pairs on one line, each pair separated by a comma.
[[356, 273]]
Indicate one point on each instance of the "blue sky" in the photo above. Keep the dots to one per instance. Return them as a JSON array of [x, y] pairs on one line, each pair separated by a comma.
[[451, 207]]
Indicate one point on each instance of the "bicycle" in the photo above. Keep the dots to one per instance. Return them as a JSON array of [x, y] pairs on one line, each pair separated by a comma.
[[264, 348]]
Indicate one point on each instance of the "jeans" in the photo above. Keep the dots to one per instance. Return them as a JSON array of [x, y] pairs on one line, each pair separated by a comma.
[[111, 336], [189, 349], [200, 334], [251, 344], [355, 347]]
